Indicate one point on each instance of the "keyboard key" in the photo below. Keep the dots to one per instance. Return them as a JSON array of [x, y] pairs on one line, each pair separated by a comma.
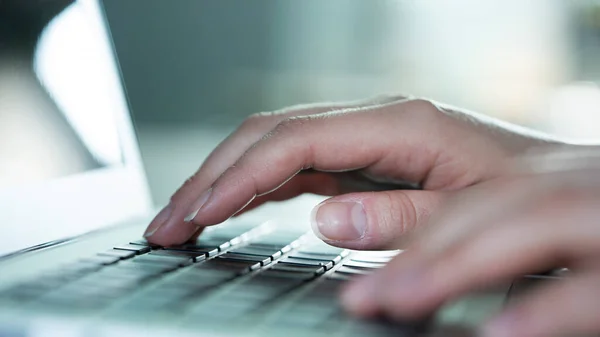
[[330, 257], [339, 277], [257, 251], [375, 256], [261, 289], [123, 282], [174, 292], [306, 316], [288, 275], [283, 248], [127, 272], [101, 260], [239, 267], [194, 256], [121, 254], [352, 271], [207, 251], [151, 269], [202, 244], [198, 279], [282, 266], [363, 265], [306, 262], [218, 312], [25, 291], [72, 301], [322, 248], [134, 248], [71, 271], [263, 260], [167, 261]]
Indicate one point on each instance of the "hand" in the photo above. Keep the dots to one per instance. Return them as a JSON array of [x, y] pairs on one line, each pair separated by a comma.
[[381, 144], [498, 231]]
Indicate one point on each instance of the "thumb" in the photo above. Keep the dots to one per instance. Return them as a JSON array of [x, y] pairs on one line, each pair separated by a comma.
[[373, 220]]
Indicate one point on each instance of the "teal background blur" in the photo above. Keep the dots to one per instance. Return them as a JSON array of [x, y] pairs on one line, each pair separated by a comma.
[[195, 68]]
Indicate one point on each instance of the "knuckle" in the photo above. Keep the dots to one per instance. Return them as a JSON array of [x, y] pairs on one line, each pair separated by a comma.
[[403, 214], [422, 104], [393, 214], [256, 119], [421, 109], [292, 124], [388, 98]]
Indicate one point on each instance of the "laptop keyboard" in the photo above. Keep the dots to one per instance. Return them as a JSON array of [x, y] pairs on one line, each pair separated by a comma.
[[263, 267]]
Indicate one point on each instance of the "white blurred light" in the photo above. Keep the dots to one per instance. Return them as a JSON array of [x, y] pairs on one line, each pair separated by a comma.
[[573, 111], [77, 72]]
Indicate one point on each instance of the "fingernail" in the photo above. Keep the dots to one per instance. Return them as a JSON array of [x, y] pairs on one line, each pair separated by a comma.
[[503, 326], [340, 221], [197, 206], [159, 220]]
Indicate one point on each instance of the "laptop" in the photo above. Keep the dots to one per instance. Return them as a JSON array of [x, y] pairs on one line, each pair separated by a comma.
[[74, 202]]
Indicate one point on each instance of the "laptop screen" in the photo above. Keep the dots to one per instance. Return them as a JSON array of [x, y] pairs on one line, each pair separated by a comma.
[[56, 80], [69, 162]]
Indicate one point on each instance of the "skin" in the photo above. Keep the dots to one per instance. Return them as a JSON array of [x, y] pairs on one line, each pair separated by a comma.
[[449, 184], [552, 222]]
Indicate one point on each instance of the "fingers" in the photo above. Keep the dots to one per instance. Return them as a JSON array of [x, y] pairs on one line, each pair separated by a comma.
[[169, 226], [373, 220], [317, 183], [327, 142], [562, 308], [503, 201], [415, 284], [475, 209]]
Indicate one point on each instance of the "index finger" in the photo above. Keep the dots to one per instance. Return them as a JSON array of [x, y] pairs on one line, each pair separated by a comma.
[[326, 142], [169, 226]]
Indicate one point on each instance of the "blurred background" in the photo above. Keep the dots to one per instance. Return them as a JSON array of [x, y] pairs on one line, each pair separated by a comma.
[[195, 69]]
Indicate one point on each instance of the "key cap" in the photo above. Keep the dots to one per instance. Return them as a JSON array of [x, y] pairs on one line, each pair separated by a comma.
[[306, 316], [352, 271], [101, 260], [194, 256], [275, 247], [288, 275], [207, 251], [200, 281], [163, 260], [282, 266], [72, 302], [367, 259], [375, 256], [238, 267], [121, 254], [363, 265], [305, 262], [205, 244], [257, 251], [127, 272], [321, 248], [263, 260], [153, 269], [25, 291], [217, 313], [71, 271], [134, 248], [331, 257], [339, 277]]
